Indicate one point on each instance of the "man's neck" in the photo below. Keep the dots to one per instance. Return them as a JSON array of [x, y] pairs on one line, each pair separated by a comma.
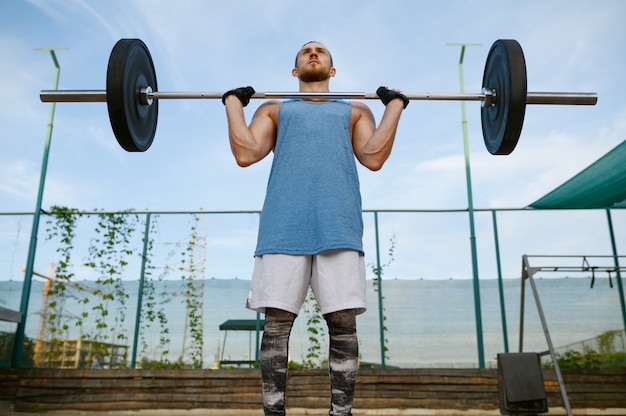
[[320, 86]]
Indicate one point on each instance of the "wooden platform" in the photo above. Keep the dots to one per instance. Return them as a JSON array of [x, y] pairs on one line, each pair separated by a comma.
[[41, 390]]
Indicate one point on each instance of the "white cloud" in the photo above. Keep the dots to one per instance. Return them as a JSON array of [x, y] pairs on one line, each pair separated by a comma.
[[214, 46]]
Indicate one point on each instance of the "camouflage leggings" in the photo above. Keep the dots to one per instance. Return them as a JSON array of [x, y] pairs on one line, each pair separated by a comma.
[[342, 360]]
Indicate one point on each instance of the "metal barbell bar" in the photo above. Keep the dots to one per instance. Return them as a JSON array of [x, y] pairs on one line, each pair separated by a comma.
[[487, 97], [132, 96]]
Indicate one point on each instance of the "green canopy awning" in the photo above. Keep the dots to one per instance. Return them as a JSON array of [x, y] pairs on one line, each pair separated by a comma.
[[242, 325], [601, 185]]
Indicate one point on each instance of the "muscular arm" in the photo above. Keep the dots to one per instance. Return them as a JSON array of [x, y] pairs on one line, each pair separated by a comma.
[[250, 144], [372, 145]]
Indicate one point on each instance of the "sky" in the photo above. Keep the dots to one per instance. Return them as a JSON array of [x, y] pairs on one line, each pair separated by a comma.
[[569, 46]]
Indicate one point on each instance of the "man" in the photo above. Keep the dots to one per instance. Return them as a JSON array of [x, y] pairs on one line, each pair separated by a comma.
[[311, 225]]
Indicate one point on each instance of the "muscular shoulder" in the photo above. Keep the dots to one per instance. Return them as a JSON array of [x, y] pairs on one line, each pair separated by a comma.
[[359, 109], [360, 112], [270, 104], [268, 109]]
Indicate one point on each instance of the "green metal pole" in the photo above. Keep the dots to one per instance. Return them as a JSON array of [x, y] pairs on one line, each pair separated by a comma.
[[616, 262], [500, 286], [470, 205], [142, 277], [28, 275], [381, 318]]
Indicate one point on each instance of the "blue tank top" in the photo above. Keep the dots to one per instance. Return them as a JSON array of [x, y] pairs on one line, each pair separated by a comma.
[[313, 202]]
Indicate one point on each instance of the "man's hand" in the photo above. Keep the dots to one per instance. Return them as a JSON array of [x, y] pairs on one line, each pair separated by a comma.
[[243, 93], [386, 95]]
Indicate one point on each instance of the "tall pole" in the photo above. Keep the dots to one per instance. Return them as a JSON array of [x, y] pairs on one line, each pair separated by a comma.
[[142, 280], [618, 275], [379, 282], [28, 276], [505, 333], [470, 207]]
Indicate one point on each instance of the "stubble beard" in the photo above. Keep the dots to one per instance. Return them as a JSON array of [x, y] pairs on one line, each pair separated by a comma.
[[314, 75]]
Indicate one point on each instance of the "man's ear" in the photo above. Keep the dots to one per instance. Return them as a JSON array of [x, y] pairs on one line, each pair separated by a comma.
[[294, 72], [333, 71]]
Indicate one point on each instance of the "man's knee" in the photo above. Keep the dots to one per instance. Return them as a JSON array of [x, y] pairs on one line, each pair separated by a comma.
[[343, 321], [278, 320]]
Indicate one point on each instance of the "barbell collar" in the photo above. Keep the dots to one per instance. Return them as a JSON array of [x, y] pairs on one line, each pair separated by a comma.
[[73, 96], [562, 98], [488, 97]]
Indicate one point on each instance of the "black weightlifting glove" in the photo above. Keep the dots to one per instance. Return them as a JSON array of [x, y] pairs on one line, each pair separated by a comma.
[[387, 95], [243, 93]]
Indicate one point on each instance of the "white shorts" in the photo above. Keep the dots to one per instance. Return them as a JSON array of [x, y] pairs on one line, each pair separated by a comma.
[[337, 278]]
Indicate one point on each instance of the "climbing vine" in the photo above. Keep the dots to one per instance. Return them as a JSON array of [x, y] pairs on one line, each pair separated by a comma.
[[109, 252], [314, 327], [153, 311], [193, 298], [378, 272], [61, 225]]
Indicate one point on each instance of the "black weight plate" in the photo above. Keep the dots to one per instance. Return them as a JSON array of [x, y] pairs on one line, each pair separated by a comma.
[[505, 72], [131, 69]]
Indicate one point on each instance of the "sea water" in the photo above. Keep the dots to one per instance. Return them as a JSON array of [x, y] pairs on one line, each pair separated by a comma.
[[428, 323]]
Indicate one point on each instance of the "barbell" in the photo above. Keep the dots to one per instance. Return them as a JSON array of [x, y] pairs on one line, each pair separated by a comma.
[[132, 96]]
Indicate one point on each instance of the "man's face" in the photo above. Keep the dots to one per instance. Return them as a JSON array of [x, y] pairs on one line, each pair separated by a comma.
[[313, 63]]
